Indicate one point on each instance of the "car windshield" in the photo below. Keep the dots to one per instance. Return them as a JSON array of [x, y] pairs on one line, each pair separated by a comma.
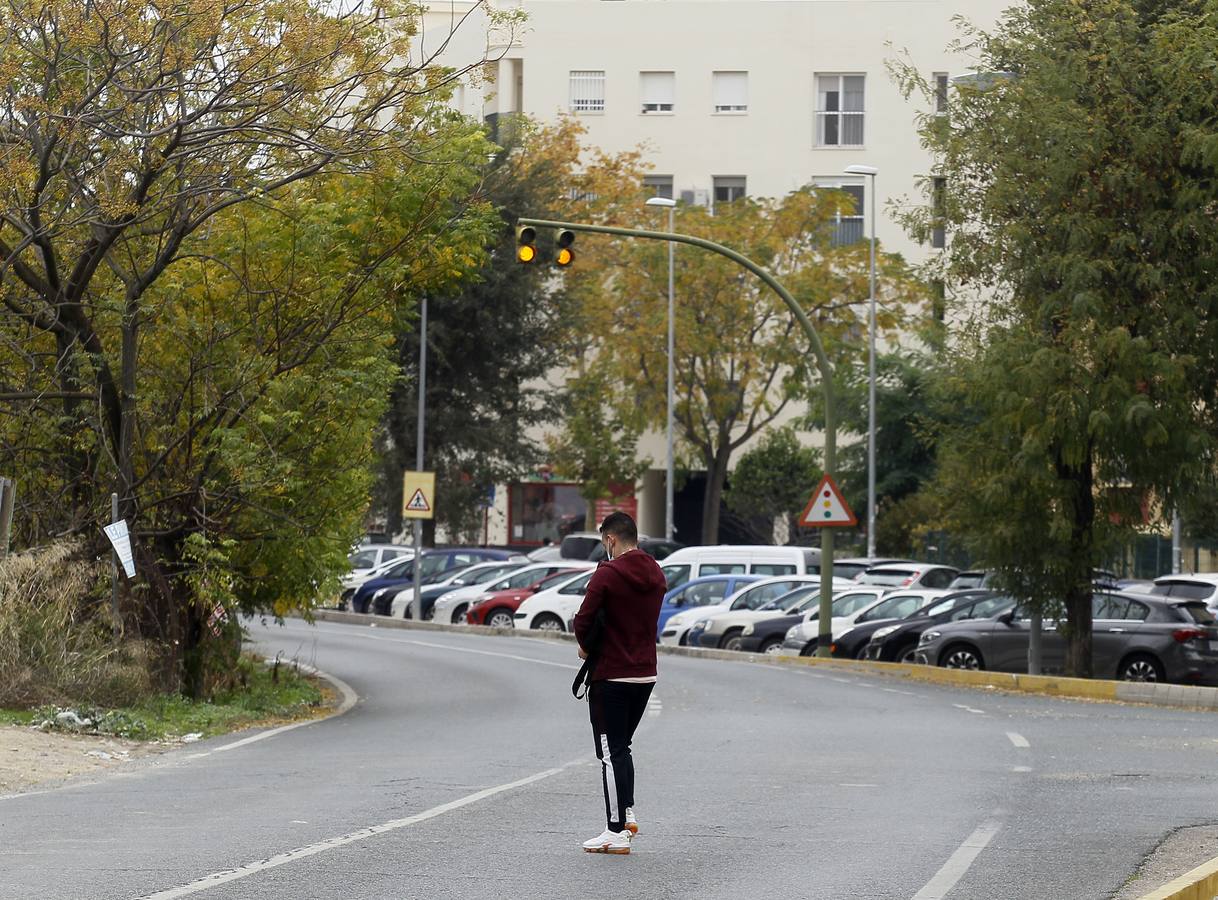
[[848, 570], [398, 569], [847, 604], [886, 577], [966, 580], [947, 604], [897, 607], [1198, 612], [483, 574]]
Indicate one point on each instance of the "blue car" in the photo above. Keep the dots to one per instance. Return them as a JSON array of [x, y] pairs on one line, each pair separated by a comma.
[[375, 595], [704, 591]]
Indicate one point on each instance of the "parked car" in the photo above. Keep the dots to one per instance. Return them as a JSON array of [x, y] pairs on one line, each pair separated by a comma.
[[452, 606], [367, 557], [1135, 637], [726, 630], [353, 583], [548, 553], [1203, 587], [551, 609], [847, 607], [579, 544], [898, 641], [434, 564], [853, 566], [454, 579], [497, 608], [751, 596], [656, 548], [708, 591], [909, 575], [972, 579], [852, 642], [738, 559], [766, 635]]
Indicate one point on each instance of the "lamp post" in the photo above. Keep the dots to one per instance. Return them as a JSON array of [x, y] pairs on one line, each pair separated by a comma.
[[870, 172], [670, 205]]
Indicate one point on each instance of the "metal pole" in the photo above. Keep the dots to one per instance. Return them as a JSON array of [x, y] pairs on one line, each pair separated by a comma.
[[114, 572], [668, 478], [8, 499], [825, 638], [1177, 550], [871, 394], [417, 603]]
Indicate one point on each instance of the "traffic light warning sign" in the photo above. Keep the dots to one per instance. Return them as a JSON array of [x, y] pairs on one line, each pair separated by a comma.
[[418, 495], [827, 507]]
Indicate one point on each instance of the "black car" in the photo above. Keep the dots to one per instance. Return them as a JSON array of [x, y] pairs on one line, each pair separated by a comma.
[[897, 641], [436, 563], [657, 548], [767, 635]]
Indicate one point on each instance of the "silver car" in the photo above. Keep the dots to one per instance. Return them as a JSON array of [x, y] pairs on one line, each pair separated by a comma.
[[1135, 637]]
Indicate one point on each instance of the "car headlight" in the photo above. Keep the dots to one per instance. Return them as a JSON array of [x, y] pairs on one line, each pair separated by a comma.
[[928, 636], [793, 632], [884, 632], [748, 629]]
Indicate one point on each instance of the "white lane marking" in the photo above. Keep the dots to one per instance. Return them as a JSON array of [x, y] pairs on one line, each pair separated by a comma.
[[655, 706], [980, 712], [290, 856], [959, 862], [1022, 769], [1018, 740], [350, 698], [853, 784]]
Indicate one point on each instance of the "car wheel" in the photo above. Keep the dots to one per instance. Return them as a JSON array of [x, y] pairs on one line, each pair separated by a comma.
[[1141, 667], [499, 618], [684, 640], [771, 647], [862, 652], [808, 649], [429, 613], [907, 654], [548, 622], [459, 614], [730, 641], [961, 656]]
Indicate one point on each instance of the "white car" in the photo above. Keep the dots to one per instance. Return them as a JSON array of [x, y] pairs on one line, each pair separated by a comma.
[[856, 609], [550, 609], [471, 576], [909, 575], [725, 630], [368, 557], [349, 585], [751, 596], [453, 606], [1199, 586]]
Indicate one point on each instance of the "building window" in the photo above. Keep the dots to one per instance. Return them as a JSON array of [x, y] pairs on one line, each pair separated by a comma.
[[940, 92], [658, 90], [728, 188], [731, 92], [588, 91], [848, 226], [658, 186], [938, 211], [537, 511], [839, 110], [938, 299]]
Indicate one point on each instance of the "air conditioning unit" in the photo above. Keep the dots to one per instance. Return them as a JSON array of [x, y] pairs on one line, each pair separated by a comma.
[[695, 197]]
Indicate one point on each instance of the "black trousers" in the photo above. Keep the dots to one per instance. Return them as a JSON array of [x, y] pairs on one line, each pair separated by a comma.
[[616, 708]]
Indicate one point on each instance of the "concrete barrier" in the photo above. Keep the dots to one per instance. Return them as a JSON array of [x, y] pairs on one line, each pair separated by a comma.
[[1199, 884], [1175, 695]]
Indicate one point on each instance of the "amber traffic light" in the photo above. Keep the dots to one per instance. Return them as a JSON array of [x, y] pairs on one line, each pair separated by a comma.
[[563, 240], [526, 244]]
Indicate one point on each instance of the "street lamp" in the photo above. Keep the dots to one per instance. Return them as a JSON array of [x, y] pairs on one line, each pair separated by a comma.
[[871, 172], [670, 205]]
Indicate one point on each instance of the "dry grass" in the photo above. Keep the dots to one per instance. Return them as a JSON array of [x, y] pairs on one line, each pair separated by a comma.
[[55, 634]]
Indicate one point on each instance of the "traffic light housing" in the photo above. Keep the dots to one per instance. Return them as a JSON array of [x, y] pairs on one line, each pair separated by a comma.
[[563, 241], [526, 244]]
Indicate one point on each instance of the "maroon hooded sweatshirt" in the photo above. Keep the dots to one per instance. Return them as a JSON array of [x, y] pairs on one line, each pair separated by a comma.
[[630, 590]]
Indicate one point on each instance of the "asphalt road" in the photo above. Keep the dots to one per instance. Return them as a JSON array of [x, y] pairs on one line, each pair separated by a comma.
[[466, 771]]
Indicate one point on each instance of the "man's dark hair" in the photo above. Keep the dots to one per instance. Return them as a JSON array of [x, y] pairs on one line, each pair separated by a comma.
[[621, 526]]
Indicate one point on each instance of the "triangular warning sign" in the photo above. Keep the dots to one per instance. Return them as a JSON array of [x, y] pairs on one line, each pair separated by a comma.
[[418, 503], [827, 507]]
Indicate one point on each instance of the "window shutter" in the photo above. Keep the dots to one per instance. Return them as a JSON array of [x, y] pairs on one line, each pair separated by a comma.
[[731, 91]]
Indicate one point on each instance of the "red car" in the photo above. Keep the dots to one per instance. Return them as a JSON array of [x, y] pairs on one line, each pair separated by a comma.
[[498, 609]]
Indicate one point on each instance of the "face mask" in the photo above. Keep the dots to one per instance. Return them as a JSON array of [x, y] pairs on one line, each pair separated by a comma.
[[608, 550]]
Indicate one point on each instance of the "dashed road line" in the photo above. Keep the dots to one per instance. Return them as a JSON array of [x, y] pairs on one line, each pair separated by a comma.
[[979, 712], [282, 859], [1018, 740], [959, 862]]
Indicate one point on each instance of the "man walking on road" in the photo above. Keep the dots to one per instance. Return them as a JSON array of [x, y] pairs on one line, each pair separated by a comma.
[[626, 591]]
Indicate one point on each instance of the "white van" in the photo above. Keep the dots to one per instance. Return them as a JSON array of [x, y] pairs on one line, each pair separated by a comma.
[[687, 563]]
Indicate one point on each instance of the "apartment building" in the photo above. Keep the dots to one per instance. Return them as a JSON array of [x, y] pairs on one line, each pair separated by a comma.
[[730, 98]]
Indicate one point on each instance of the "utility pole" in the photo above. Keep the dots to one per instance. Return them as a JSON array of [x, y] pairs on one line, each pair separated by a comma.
[[417, 603], [8, 498], [117, 622]]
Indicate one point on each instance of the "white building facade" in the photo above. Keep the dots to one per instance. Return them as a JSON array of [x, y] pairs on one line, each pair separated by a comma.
[[729, 98]]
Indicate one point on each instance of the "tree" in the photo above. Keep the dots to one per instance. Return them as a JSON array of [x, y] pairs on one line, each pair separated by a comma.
[[209, 216], [774, 480], [1079, 194], [740, 357]]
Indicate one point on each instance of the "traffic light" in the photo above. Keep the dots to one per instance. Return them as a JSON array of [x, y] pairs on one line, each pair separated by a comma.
[[563, 254], [526, 244]]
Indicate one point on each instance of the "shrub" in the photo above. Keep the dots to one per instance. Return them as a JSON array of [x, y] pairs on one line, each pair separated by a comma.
[[56, 645]]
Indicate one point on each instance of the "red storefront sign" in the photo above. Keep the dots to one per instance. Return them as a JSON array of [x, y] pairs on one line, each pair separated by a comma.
[[625, 502]]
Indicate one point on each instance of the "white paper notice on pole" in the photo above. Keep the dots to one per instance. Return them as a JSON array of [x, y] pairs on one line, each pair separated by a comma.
[[121, 539]]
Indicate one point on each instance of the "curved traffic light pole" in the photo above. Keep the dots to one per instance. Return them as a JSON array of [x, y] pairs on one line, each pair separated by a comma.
[[825, 636]]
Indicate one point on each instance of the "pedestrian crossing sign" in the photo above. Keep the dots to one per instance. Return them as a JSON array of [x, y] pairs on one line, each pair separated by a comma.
[[418, 495], [827, 507]]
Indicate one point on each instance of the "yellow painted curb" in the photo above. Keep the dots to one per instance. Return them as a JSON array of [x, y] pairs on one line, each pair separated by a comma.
[[1199, 884]]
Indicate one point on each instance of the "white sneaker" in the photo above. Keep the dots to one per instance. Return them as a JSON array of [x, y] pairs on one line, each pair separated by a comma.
[[609, 842], [632, 824]]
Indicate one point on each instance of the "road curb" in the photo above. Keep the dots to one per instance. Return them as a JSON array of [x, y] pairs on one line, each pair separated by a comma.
[[1199, 884], [1180, 696]]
